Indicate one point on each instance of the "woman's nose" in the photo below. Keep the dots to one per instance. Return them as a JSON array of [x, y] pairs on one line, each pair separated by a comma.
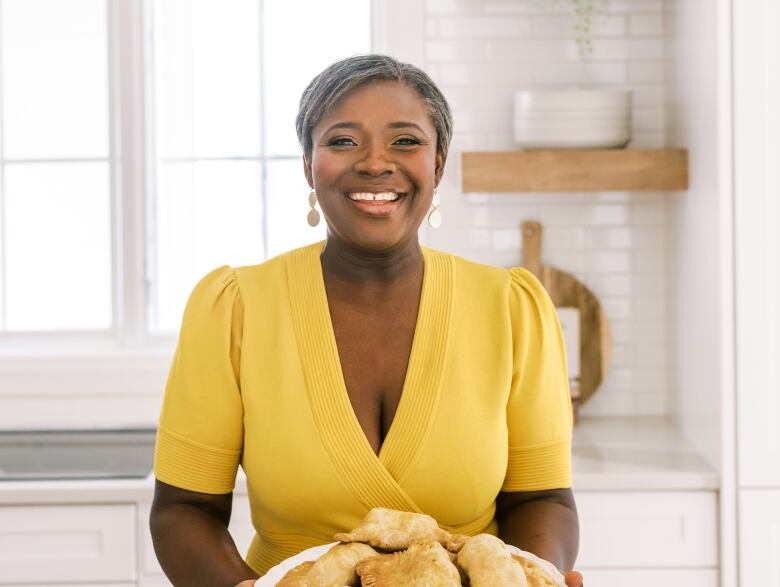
[[375, 161]]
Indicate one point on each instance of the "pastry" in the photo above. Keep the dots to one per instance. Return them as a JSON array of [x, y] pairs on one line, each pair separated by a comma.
[[423, 564], [337, 566], [394, 530], [488, 563], [456, 542], [534, 573], [296, 577]]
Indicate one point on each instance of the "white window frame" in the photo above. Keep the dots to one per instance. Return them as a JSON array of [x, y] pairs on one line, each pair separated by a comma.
[[116, 378]]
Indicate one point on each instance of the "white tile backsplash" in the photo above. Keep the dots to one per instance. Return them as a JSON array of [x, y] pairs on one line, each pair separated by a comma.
[[646, 25], [462, 51], [561, 25], [483, 27], [645, 72], [479, 52], [453, 7]]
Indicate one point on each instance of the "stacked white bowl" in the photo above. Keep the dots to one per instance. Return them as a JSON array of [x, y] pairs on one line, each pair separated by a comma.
[[574, 118]]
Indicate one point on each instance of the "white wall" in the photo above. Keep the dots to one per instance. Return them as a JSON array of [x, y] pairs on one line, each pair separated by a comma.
[[699, 237], [479, 51], [701, 245]]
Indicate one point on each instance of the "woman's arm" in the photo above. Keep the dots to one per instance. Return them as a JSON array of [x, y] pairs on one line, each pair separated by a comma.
[[542, 522], [191, 538]]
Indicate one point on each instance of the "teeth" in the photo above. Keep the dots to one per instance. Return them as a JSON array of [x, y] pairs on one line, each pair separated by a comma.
[[388, 196]]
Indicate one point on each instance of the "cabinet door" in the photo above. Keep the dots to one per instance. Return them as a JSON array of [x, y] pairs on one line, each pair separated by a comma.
[[77, 544], [662, 529], [651, 577], [757, 239], [759, 537]]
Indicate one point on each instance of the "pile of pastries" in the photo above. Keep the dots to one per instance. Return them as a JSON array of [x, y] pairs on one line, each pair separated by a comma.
[[392, 548]]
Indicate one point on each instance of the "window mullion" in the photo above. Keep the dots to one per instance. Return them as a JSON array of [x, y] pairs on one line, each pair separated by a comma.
[[263, 151], [3, 276], [127, 155]]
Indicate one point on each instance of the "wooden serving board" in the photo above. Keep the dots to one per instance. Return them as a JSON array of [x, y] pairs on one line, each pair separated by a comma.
[[566, 291]]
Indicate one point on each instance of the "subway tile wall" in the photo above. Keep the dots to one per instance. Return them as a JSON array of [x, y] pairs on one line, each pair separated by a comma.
[[479, 51]]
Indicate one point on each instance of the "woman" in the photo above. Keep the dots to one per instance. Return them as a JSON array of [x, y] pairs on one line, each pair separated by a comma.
[[365, 371]]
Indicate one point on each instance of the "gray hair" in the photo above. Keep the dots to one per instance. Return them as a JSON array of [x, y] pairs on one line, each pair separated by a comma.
[[340, 78]]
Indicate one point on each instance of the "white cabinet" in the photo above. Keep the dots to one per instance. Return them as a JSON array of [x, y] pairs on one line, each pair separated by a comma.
[[60, 544], [656, 538], [756, 67], [759, 537], [757, 218], [652, 578]]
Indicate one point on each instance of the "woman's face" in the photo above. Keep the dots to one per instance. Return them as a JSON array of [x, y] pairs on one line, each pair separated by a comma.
[[374, 165]]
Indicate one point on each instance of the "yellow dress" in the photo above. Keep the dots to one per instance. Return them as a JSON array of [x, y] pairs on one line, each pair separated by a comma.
[[256, 380]]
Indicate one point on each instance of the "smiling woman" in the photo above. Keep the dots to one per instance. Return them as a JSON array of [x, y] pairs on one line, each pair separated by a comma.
[[364, 371], [374, 165]]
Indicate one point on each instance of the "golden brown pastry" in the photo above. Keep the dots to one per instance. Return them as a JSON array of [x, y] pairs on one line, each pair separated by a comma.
[[534, 573], [296, 577], [423, 564], [456, 542], [337, 566], [488, 563], [394, 530]]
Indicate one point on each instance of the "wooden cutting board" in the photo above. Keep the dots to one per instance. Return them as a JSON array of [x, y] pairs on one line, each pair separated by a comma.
[[566, 291]]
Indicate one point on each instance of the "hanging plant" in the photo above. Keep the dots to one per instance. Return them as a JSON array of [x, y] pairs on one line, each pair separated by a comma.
[[583, 13]]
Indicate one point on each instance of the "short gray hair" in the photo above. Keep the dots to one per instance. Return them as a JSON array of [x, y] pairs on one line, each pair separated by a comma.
[[340, 78]]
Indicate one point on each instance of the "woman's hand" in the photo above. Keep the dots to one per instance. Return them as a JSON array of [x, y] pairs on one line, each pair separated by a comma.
[[573, 579], [247, 583]]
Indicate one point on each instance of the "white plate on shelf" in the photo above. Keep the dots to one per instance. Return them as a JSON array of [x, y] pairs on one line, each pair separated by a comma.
[[276, 573]]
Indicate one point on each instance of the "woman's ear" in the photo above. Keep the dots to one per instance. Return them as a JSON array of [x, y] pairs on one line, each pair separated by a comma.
[[307, 171], [438, 171]]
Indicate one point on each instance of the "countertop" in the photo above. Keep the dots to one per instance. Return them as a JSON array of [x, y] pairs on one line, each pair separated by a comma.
[[637, 454], [610, 454]]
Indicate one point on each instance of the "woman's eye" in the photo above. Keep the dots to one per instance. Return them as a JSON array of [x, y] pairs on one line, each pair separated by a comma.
[[341, 142], [408, 141]]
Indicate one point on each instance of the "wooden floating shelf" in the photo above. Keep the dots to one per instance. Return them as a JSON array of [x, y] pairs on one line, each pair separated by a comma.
[[576, 170]]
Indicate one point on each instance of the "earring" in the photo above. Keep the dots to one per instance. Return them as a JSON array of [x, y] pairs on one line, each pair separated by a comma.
[[313, 218], [434, 218]]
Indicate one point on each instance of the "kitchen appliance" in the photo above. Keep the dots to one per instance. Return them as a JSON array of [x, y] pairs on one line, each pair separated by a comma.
[[76, 454]]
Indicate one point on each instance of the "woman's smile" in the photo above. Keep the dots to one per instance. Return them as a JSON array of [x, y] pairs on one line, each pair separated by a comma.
[[377, 204]]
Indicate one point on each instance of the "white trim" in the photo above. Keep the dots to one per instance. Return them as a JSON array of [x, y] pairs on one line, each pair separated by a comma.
[[130, 230], [3, 288], [399, 30], [149, 157], [728, 503]]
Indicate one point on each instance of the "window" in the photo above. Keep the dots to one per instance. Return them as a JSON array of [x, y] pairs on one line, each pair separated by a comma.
[[144, 144], [55, 166]]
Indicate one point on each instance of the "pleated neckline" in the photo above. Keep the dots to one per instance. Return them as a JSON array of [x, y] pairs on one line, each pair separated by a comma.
[[375, 479]]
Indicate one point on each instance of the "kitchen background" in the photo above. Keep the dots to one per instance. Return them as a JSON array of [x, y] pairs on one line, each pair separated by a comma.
[[480, 51], [671, 456]]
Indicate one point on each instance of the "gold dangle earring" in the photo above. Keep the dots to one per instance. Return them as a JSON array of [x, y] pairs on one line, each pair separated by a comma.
[[313, 218], [434, 217]]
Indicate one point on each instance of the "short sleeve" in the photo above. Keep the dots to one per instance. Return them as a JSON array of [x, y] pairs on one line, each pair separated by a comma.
[[539, 414], [200, 431]]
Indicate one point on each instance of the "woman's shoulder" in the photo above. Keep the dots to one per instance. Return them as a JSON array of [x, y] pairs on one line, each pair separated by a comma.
[[516, 277]]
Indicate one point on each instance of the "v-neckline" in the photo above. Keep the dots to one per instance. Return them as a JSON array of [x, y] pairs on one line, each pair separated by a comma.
[[332, 409], [417, 335]]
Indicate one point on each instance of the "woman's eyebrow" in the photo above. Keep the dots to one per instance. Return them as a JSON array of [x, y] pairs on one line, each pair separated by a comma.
[[405, 124], [343, 125], [397, 124]]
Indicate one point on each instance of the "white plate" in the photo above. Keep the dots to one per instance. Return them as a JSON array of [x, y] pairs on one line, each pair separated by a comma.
[[276, 573]]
